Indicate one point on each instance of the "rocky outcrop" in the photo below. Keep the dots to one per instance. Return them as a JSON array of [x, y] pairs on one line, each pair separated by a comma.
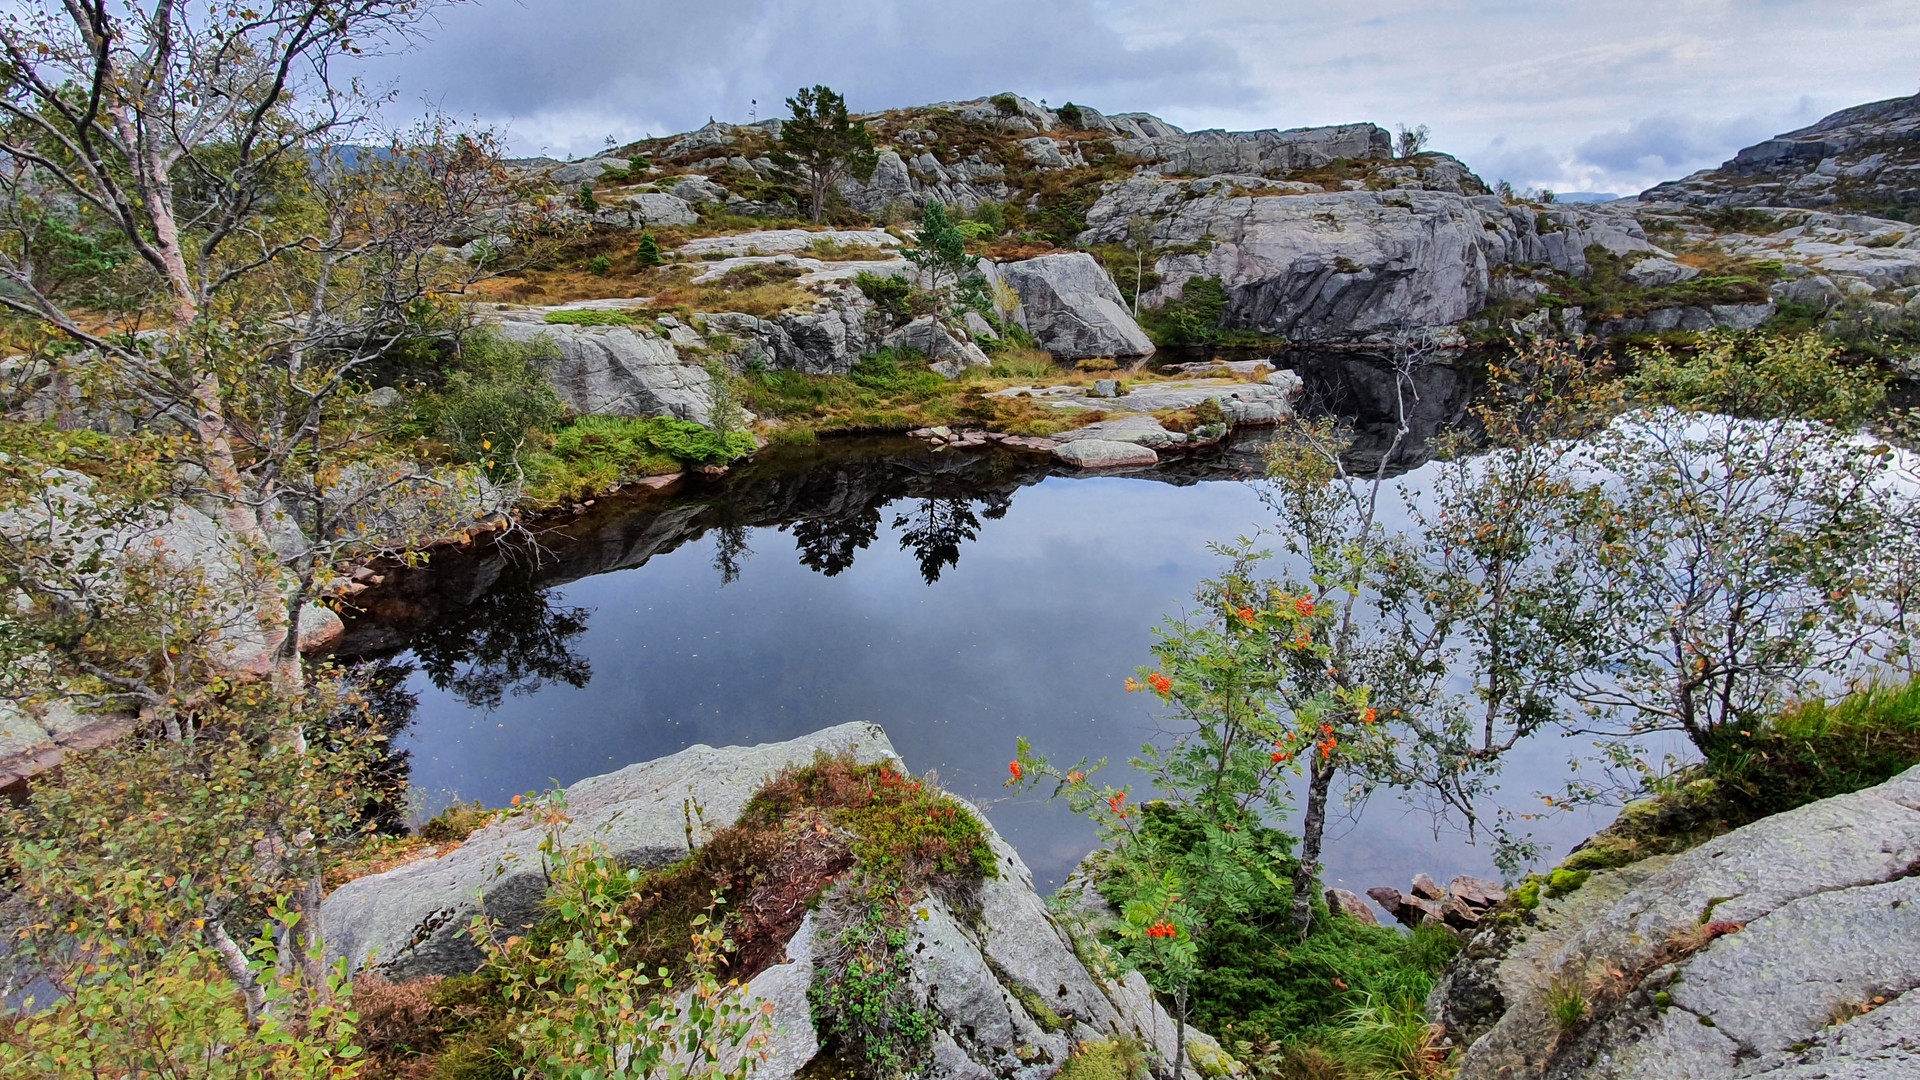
[[1008, 994], [612, 370], [413, 921], [1866, 158], [1767, 952], [1350, 265], [1072, 308], [1209, 153]]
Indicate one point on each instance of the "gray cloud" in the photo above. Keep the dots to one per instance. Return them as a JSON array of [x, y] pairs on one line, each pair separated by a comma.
[[557, 68], [1601, 95], [1670, 145]]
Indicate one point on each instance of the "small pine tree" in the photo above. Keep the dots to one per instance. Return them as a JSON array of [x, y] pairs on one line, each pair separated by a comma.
[[586, 200], [648, 254]]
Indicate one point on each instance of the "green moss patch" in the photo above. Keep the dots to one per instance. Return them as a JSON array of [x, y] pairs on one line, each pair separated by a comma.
[[585, 317]]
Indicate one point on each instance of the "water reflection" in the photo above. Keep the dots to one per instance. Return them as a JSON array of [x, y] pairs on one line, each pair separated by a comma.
[[650, 623]]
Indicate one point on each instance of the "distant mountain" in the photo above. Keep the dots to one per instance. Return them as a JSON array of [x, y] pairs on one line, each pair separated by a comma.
[[1584, 196], [1864, 159]]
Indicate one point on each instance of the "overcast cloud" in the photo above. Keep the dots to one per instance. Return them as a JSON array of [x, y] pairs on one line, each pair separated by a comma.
[[1607, 95]]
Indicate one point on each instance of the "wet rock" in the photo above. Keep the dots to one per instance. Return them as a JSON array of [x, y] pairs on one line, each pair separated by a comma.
[[1104, 454], [1139, 430], [1343, 901]]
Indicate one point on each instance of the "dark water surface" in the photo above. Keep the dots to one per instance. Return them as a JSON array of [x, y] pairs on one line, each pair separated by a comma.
[[959, 600]]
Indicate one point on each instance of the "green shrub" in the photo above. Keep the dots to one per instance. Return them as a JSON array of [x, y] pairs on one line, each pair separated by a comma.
[[588, 317], [599, 266], [1764, 376], [585, 200], [895, 372], [1070, 116], [891, 295], [629, 441], [991, 214], [648, 253], [1193, 319], [1258, 981], [456, 822], [490, 404], [1005, 104]]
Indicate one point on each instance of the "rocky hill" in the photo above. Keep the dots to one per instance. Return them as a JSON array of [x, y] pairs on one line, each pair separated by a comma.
[[1865, 160]]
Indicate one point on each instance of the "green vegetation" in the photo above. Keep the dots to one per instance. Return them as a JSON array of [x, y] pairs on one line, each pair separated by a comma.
[[1567, 1003], [1761, 376], [821, 144], [1816, 749], [595, 453], [1107, 1059], [1192, 319], [492, 403], [648, 253], [588, 317]]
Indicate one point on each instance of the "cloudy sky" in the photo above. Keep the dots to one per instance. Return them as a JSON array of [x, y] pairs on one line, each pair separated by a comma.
[[1576, 95]]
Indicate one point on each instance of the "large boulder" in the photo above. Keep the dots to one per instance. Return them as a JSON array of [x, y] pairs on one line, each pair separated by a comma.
[[1206, 153], [413, 921], [1782, 949], [587, 172], [645, 211], [612, 370], [1006, 986], [1350, 265], [1072, 308]]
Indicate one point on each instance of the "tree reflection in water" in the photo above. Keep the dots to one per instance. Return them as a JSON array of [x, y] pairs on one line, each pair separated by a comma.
[[510, 640], [935, 530], [827, 545]]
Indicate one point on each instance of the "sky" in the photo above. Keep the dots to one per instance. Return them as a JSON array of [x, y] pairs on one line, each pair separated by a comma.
[[1572, 95]]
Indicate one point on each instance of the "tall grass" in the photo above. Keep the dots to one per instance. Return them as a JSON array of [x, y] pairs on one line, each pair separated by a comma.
[[1818, 748]]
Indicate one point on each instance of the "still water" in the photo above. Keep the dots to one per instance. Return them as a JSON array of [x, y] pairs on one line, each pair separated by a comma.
[[958, 600]]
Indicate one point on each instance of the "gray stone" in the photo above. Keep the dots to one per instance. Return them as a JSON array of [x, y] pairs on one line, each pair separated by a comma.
[[786, 241], [1803, 905], [1106, 388], [1654, 272], [1139, 430], [1346, 265], [694, 188], [939, 345], [1104, 454], [615, 370], [978, 326], [412, 921], [1694, 318], [1818, 292], [582, 172], [654, 210], [1343, 901], [1072, 308]]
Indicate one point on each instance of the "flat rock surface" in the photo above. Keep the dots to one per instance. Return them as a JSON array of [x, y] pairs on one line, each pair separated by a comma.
[[1104, 454], [1816, 914]]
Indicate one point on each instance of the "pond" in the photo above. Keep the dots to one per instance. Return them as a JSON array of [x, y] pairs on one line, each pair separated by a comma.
[[959, 599]]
